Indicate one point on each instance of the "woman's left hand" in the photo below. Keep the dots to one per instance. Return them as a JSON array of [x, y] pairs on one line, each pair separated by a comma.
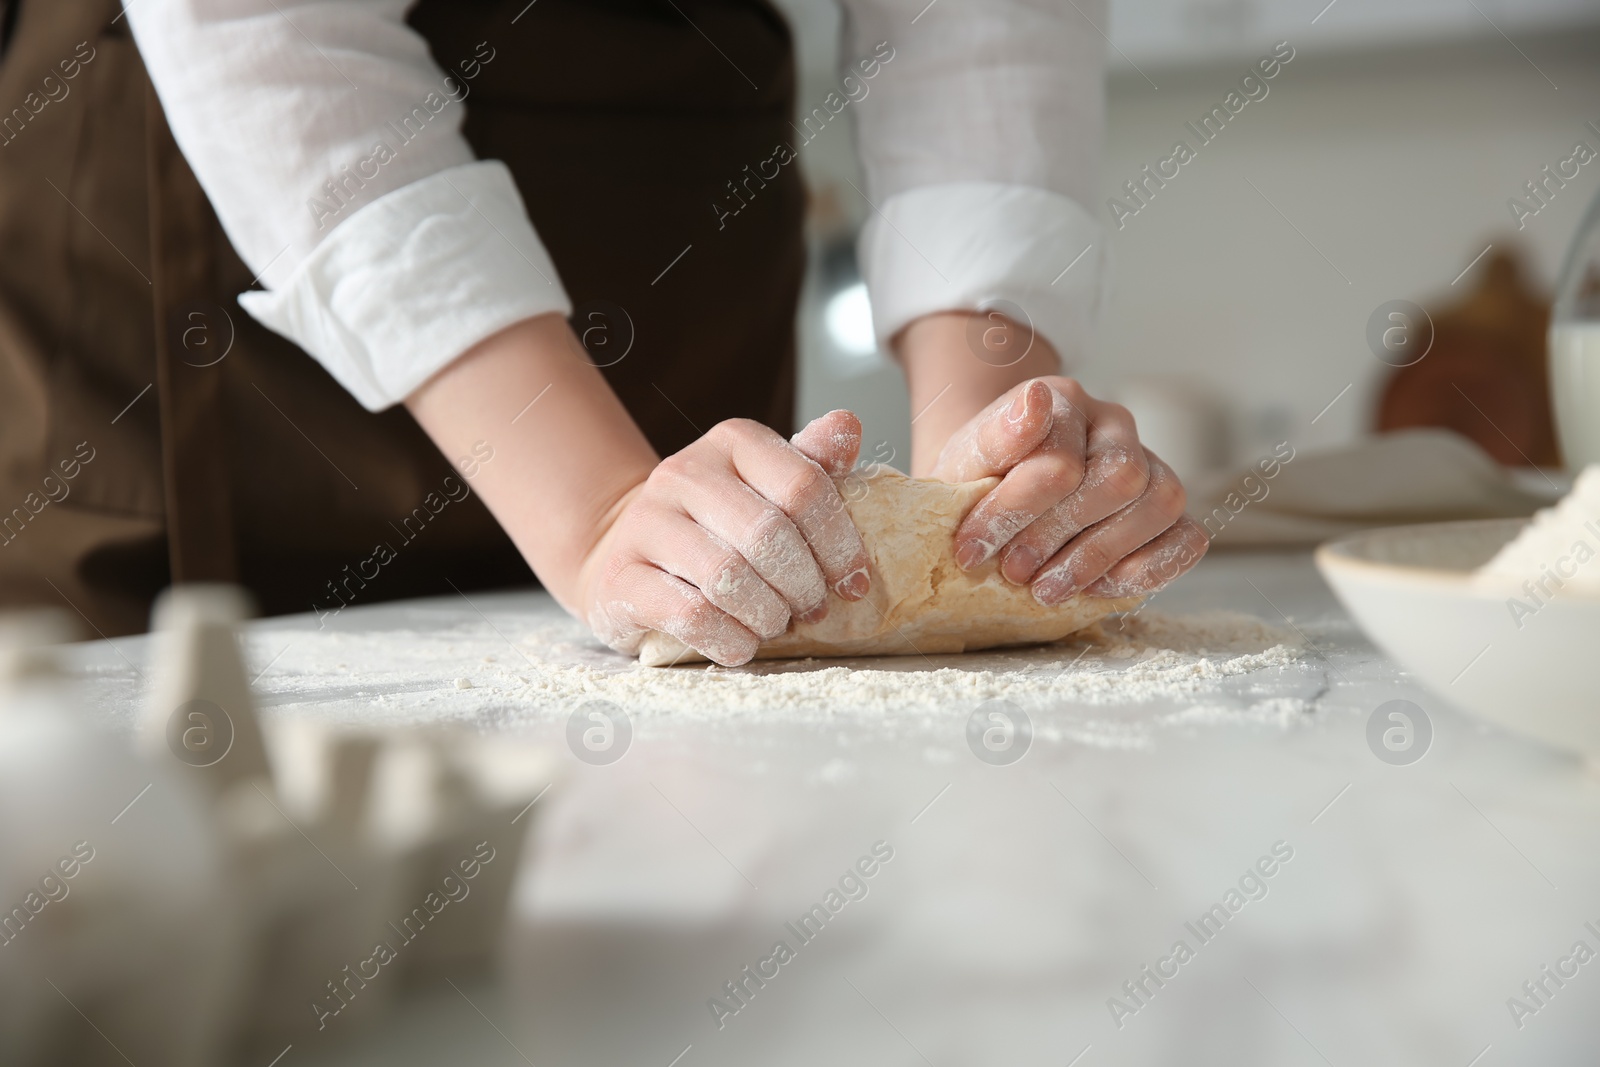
[[1082, 506]]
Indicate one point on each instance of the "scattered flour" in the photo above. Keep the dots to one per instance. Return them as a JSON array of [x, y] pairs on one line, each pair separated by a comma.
[[1116, 685], [1561, 546], [1137, 659]]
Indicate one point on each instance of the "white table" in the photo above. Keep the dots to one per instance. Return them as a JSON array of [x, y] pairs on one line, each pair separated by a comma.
[[1020, 898]]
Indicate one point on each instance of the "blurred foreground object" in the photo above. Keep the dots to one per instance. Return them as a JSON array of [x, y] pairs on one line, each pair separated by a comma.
[[1485, 375], [200, 710], [27, 640], [1575, 345], [231, 886], [109, 881]]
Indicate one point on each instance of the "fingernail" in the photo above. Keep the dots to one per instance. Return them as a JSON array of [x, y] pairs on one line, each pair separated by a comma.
[[854, 585], [1019, 407], [971, 553], [1019, 564], [816, 614], [1053, 591]]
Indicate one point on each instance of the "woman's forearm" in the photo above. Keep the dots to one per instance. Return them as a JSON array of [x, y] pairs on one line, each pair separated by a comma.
[[955, 365], [566, 453]]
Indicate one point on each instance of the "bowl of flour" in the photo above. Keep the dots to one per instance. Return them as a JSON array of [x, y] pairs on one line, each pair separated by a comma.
[[1500, 617]]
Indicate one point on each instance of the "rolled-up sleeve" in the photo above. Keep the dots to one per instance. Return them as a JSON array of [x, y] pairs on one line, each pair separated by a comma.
[[980, 137], [329, 143]]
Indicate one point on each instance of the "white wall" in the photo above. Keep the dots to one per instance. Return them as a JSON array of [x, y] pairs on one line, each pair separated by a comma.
[[1396, 166], [1395, 163]]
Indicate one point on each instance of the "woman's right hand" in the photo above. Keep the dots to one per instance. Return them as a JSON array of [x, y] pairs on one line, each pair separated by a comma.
[[728, 540]]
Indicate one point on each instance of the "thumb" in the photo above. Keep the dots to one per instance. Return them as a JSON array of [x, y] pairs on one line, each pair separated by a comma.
[[833, 441], [997, 440]]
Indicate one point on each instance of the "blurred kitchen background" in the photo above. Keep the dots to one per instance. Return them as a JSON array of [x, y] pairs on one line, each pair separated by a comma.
[[1392, 142]]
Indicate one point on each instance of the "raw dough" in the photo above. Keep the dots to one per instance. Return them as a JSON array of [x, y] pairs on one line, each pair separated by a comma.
[[920, 602]]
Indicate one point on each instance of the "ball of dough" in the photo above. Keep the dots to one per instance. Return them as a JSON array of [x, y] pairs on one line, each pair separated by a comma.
[[921, 602]]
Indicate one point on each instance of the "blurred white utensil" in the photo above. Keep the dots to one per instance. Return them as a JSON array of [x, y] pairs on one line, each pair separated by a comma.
[[1412, 589]]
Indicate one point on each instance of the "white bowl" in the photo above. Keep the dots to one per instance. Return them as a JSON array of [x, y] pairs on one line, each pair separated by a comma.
[[1411, 588]]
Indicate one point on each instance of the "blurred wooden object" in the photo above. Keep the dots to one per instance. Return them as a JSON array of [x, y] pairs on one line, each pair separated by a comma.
[[1486, 375]]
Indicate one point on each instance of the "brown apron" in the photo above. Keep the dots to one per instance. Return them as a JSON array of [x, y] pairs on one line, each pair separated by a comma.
[[151, 431]]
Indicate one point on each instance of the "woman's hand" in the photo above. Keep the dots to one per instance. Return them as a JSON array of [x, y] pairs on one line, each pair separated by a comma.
[[726, 541], [1082, 506], [719, 545]]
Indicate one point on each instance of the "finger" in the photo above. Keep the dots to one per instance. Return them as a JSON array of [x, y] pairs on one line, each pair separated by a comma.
[[682, 547], [802, 490], [771, 543], [643, 597], [1115, 475], [1095, 551], [1154, 565], [833, 441], [1015, 424], [1052, 472]]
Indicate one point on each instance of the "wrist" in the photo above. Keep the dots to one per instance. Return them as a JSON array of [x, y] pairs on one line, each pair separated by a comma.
[[590, 569], [956, 363], [567, 454]]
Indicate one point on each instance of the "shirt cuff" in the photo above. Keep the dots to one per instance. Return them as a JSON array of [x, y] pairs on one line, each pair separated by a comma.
[[412, 280], [967, 246]]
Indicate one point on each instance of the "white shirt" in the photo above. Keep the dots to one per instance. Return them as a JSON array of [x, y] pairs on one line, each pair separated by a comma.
[[980, 140]]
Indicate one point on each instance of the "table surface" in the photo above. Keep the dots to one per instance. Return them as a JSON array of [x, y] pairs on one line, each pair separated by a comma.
[[1415, 899]]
